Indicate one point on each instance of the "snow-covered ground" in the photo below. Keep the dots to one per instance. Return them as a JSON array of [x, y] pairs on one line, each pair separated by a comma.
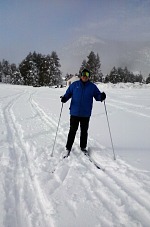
[[37, 190]]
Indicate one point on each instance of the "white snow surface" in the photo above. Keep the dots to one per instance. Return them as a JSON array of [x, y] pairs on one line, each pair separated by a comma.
[[37, 190]]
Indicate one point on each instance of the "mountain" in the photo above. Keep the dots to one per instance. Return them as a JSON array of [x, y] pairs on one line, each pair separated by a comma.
[[134, 55]]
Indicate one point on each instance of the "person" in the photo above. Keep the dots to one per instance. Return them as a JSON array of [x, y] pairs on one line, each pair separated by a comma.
[[81, 93]]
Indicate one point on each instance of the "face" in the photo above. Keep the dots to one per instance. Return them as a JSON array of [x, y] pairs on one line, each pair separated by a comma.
[[84, 78]]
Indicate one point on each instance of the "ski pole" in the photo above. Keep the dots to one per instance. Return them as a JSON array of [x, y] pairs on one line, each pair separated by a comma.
[[109, 131], [57, 130]]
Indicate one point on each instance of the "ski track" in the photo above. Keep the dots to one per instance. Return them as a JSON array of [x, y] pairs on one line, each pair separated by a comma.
[[47, 120], [123, 194], [21, 172], [111, 194], [129, 107]]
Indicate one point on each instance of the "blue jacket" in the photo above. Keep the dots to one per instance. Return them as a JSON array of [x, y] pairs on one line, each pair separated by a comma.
[[81, 95]]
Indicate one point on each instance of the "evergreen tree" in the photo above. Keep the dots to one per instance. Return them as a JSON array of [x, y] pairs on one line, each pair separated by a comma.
[[37, 69], [106, 79], [99, 75], [93, 64], [113, 76], [148, 79], [29, 71], [139, 78], [68, 76], [1, 71], [121, 75], [16, 75], [44, 71], [6, 71], [54, 69], [83, 65]]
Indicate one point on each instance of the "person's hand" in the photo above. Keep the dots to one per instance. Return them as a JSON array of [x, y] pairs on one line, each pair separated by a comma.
[[103, 96], [63, 99]]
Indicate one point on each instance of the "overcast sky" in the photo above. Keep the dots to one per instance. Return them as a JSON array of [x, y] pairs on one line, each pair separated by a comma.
[[47, 25]]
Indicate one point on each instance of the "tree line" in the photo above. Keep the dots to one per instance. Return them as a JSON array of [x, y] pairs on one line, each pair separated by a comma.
[[35, 69], [44, 70], [118, 75]]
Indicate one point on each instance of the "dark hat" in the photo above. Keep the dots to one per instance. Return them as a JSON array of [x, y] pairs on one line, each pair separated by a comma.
[[85, 72]]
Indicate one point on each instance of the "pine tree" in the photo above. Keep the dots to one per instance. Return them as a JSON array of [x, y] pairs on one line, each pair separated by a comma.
[[148, 79], [1, 71], [29, 70], [44, 70], [6, 71], [16, 75], [94, 65], [41, 70], [55, 71], [99, 74], [83, 65], [106, 79], [113, 76], [68, 76], [139, 78], [91, 65]]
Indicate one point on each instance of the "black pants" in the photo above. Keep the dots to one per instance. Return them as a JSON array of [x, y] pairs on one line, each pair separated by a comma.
[[84, 125]]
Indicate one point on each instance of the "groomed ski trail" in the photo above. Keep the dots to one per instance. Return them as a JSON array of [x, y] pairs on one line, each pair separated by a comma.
[[78, 190], [126, 191], [24, 183]]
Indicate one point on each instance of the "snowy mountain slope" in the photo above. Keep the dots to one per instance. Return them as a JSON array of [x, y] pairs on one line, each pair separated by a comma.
[[39, 190], [134, 55]]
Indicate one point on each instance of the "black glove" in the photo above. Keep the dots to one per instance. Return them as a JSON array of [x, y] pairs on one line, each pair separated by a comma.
[[63, 99], [103, 96]]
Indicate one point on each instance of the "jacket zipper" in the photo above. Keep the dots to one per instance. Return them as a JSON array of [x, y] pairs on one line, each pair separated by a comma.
[[82, 95]]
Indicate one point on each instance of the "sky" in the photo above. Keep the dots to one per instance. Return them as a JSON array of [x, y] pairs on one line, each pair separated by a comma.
[[49, 25]]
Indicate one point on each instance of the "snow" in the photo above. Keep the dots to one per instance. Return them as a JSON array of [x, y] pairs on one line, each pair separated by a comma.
[[39, 190]]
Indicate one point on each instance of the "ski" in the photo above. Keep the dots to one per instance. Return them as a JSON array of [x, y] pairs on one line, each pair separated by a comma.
[[87, 154], [92, 161]]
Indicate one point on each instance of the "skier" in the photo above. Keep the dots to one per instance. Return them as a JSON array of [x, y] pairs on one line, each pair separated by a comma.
[[81, 93]]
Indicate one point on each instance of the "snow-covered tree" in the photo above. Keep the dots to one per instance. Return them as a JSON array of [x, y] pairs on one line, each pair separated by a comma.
[[16, 77], [113, 76], [123, 75], [55, 71], [42, 70], [1, 71], [6, 71], [148, 79], [68, 76], [29, 71]]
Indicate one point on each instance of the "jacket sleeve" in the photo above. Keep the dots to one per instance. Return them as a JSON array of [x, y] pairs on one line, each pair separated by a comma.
[[97, 94], [68, 93]]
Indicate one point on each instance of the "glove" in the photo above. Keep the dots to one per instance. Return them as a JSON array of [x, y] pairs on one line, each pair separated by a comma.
[[63, 99], [103, 96]]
